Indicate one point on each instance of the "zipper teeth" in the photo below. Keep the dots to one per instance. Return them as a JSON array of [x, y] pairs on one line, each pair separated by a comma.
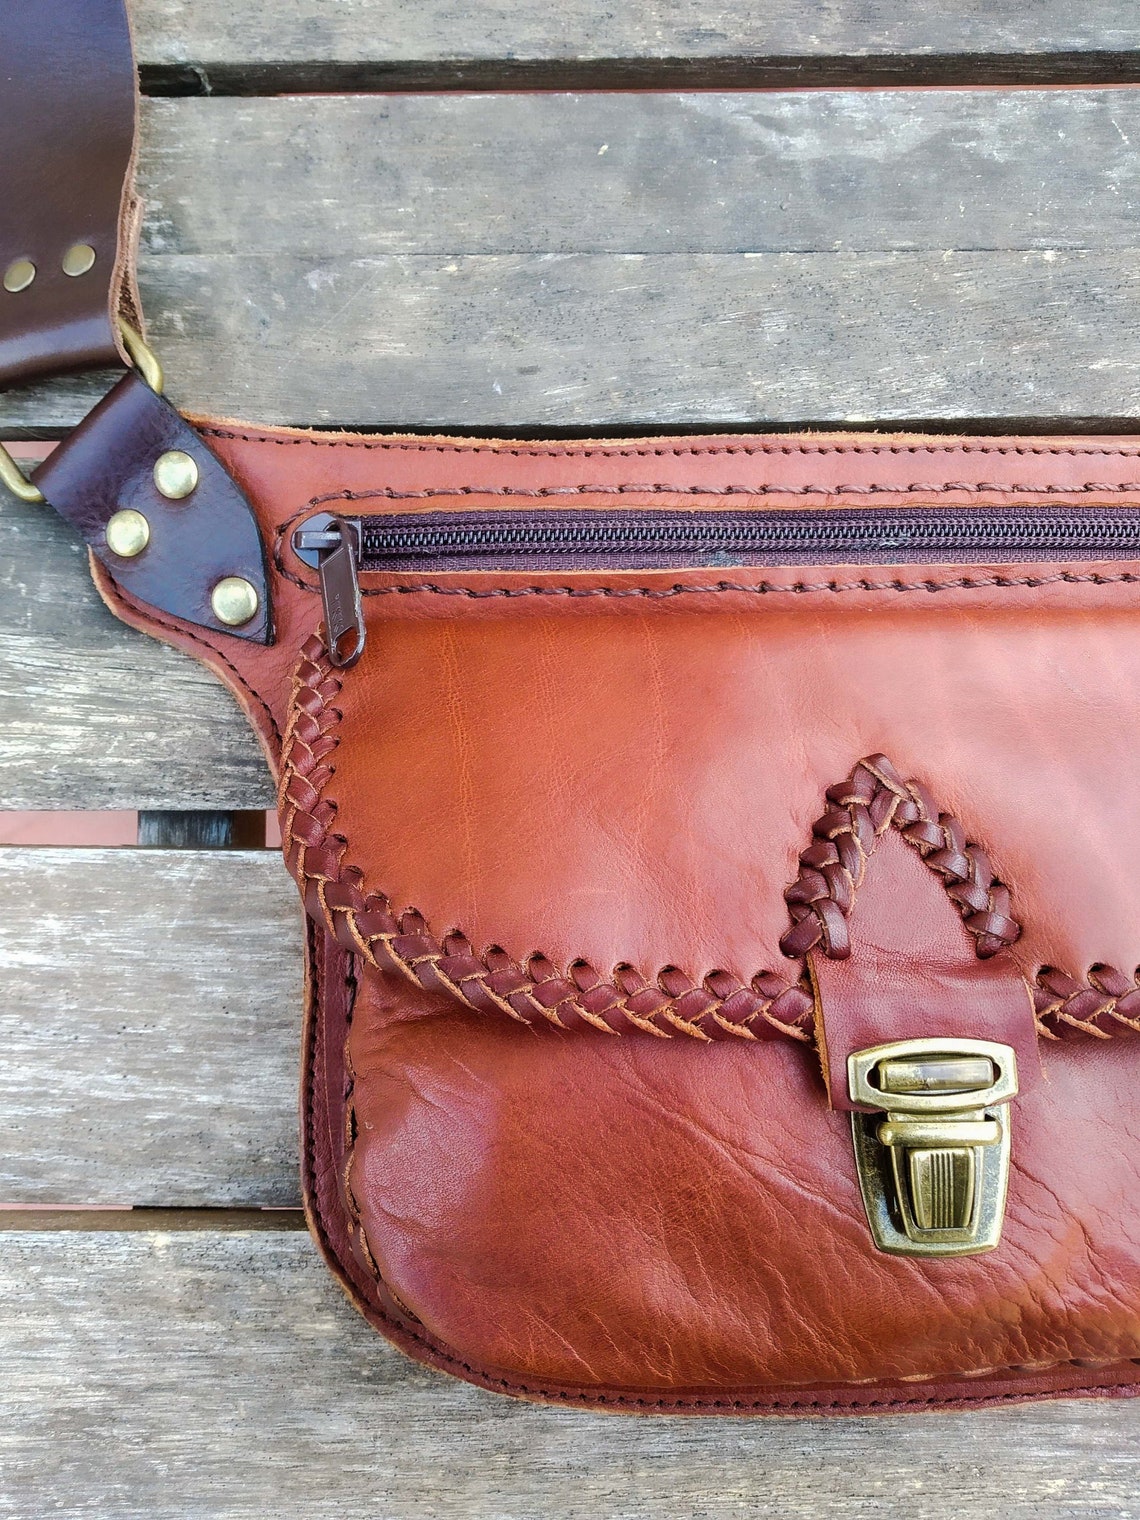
[[383, 539]]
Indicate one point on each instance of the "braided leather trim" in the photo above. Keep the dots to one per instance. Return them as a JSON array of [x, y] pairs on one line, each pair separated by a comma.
[[580, 997], [873, 799], [1107, 1003]]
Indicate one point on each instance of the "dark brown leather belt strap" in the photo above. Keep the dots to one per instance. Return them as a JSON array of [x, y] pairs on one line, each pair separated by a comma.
[[68, 233], [68, 217]]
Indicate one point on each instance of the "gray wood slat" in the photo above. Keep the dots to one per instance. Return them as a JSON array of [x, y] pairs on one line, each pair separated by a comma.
[[150, 1024], [95, 714], [789, 171], [214, 1375], [247, 31], [750, 260], [506, 343]]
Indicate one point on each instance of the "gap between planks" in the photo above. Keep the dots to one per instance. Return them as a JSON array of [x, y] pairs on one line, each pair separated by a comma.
[[243, 46], [476, 76], [132, 1219], [164, 1219]]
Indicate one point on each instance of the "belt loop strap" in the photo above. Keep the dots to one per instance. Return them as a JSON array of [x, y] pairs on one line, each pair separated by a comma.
[[68, 214]]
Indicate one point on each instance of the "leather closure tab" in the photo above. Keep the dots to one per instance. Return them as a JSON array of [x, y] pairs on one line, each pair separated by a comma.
[[913, 972], [195, 553], [68, 221]]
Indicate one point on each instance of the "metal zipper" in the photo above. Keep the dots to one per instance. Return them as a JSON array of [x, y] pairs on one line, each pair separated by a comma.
[[511, 539]]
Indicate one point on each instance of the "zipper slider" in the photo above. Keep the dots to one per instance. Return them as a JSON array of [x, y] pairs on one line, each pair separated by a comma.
[[340, 593]]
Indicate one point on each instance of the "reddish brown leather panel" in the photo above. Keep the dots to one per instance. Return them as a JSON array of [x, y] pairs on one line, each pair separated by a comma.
[[107, 464], [67, 136]]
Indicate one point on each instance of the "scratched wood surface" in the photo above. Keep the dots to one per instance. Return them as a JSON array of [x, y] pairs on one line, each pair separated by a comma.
[[246, 45], [319, 252], [151, 1028], [221, 1375]]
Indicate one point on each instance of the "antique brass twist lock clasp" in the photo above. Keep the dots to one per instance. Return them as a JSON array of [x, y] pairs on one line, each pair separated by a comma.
[[933, 1160]]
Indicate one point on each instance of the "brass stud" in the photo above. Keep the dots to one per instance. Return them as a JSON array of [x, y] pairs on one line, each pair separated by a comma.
[[18, 276], [176, 475], [79, 259], [127, 533], [234, 601]]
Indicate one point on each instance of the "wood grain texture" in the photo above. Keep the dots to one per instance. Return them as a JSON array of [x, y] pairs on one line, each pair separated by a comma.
[[508, 343], [247, 31], [550, 262], [95, 714], [502, 342], [150, 1024], [219, 1375], [793, 171]]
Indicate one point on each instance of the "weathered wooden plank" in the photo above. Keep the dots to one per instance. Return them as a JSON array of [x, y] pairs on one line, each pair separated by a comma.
[[150, 1027], [794, 171], [944, 256], [305, 31], [205, 1375], [96, 715], [506, 343]]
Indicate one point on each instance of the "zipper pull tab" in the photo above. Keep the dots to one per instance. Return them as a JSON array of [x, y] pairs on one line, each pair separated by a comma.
[[340, 593]]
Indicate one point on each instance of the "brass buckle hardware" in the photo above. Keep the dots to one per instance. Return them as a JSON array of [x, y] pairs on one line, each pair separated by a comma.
[[148, 366], [933, 1162], [143, 357], [13, 479]]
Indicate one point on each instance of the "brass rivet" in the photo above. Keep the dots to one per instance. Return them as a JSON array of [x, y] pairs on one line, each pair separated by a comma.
[[79, 259], [18, 276], [127, 533], [175, 475], [234, 601]]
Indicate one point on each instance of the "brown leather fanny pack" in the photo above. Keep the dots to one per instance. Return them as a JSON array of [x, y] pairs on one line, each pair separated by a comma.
[[718, 855]]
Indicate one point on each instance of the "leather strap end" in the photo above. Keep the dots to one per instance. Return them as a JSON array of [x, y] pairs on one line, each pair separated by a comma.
[[174, 550], [69, 218]]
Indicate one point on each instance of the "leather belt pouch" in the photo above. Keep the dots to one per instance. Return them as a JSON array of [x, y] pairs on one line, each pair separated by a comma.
[[719, 859], [612, 868]]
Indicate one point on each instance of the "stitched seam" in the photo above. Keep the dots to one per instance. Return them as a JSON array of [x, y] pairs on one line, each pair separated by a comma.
[[764, 588], [1107, 1001], [620, 451], [762, 488]]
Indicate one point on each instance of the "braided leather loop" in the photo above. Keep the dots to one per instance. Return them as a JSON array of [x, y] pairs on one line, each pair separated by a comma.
[[578, 997], [873, 799]]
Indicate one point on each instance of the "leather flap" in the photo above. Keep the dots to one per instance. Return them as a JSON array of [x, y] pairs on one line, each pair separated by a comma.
[[592, 807]]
